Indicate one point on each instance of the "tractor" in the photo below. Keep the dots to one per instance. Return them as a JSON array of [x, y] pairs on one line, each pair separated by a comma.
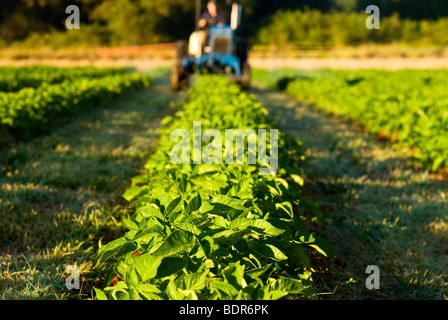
[[218, 50]]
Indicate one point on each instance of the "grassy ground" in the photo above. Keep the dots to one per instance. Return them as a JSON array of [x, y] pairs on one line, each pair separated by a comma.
[[61, 194], [380, 209], [364, 51]]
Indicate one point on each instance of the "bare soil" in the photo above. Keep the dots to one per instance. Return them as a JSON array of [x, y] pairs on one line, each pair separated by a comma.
[[146, 64]]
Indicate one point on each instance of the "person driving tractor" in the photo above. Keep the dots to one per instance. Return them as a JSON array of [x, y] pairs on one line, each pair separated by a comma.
[[211, 17]]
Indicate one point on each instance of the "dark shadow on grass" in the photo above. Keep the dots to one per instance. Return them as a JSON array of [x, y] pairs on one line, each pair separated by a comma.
[[91, 159]]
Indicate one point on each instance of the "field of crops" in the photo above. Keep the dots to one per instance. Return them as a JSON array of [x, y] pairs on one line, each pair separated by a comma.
[[213, 231], [408, 107], [33, 99], [100, 189], [16, 78]]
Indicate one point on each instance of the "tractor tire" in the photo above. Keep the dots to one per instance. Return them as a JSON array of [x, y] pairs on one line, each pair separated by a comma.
[[181, 49], [242, 51], [245, 76], [179, 76]]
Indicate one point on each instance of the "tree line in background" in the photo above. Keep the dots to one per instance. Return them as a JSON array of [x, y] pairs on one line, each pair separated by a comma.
[[305, 22], [312, 28]]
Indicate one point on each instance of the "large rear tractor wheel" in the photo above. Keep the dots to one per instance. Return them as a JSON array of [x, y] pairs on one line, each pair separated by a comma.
[[245, 76], [179, 76]]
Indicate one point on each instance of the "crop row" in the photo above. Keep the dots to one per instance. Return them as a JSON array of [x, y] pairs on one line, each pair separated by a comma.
[[409, 107], [214, 231], [35, 110], [13, 79]]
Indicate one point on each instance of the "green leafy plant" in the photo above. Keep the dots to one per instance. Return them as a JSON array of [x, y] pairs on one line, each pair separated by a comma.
[[210, 231], [14, 79], [408, 107], [35, 110]]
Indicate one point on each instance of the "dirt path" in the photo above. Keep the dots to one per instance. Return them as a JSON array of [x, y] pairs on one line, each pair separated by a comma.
[[145, 64], [378, 209], [353, 63]]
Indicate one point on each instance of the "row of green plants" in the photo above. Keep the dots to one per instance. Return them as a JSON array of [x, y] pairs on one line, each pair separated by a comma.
[[313, 28], [215, 231], [32, 111], [409, 107], [13, 79]]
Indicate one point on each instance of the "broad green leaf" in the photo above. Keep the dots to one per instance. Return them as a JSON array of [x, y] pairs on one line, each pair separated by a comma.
[[177, 242], [194, 281], [109, 250], [173, 292], [169, 266], [146, 266], [274, 294], [172, 206], [167, 120], [133, 295], [131, 193], [223, 202], [225, 288], [240, 223], [120, 286], [270, 251], [297, 179], [149, 291], [224, 234], [164, 200], [256, 272], [124, 267], [436, 164], [126, 248], [147, 235], [323, 247], [298, 251], [188, 227], [220, 222], [150, 296], [147, 287], [291, 286], [208, 184], [100, 295], [234, 274], [151, 211], [132, 277], [206, 207], [282, 182], [285, 206], [194, 204], [242, 245], [123, 296], [130, 224], [264, 227], [207, 244], [207, 169]]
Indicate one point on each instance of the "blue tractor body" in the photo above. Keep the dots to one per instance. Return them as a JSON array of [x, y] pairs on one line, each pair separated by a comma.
[[221, 55]]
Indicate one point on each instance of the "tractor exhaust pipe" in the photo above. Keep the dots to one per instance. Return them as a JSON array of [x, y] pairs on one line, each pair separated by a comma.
[[197, 14], [235, 18]]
